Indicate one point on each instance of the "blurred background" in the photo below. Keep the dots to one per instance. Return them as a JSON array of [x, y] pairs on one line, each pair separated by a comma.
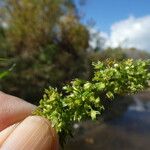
[[51, 42]]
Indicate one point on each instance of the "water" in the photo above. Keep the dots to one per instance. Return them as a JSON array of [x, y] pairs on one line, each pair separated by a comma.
[[139, 105], [129, 132]]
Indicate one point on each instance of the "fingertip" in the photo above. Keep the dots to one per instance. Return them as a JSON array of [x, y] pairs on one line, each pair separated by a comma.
[[34, 133]]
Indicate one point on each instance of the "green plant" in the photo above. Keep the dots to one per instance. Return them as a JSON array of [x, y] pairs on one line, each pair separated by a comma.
[[81, 100], [5, 73]]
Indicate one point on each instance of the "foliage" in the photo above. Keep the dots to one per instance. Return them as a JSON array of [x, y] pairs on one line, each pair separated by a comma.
[[4, 73], [114, 53], [42, 37], [41, 42], [123, 53], [81, 100], [31, 23]]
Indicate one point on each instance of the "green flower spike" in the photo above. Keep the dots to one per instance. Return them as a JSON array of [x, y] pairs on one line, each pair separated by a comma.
[[81, 100]]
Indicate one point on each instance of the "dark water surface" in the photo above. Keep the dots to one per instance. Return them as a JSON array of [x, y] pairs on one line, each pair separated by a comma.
[[129, 132]]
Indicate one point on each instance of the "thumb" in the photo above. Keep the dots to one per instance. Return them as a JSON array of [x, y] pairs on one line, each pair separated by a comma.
[[32, 133]]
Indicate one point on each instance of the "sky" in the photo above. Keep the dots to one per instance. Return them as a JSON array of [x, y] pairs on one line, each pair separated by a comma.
[[123, 23]]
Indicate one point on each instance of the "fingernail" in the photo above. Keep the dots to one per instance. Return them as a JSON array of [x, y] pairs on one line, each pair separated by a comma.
[[33, 133]]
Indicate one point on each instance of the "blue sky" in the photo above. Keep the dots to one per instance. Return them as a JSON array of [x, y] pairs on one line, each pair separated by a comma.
[[106, 12], [123, 23]]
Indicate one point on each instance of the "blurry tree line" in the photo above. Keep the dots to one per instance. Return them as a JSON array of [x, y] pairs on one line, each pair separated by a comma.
[[49, 45]]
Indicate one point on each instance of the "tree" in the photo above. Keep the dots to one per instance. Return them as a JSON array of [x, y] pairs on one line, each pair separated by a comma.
[[47, 42]]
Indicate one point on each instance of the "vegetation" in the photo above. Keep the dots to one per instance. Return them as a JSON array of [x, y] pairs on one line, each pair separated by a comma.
[[50, 46], [42, 37], [81, 100], [4, 73], [47, 48]]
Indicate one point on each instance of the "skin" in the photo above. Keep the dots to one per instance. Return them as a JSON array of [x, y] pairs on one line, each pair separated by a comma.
[[21, 131]]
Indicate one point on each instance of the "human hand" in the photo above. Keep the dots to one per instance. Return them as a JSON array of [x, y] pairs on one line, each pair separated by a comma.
[[19, 131]]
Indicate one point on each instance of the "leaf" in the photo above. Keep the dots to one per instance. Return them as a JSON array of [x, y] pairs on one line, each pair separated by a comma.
[[94, 113], [100, 86], [3, 74], [110, 95]]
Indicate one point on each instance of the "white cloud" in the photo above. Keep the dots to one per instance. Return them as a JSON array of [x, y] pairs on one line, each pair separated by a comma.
[[132, 32]]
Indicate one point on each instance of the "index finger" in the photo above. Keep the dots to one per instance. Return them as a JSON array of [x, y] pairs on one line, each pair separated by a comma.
[[12, 110]]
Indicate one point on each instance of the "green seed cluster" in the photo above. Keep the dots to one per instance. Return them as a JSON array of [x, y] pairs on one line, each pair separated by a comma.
[[81, 100]]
